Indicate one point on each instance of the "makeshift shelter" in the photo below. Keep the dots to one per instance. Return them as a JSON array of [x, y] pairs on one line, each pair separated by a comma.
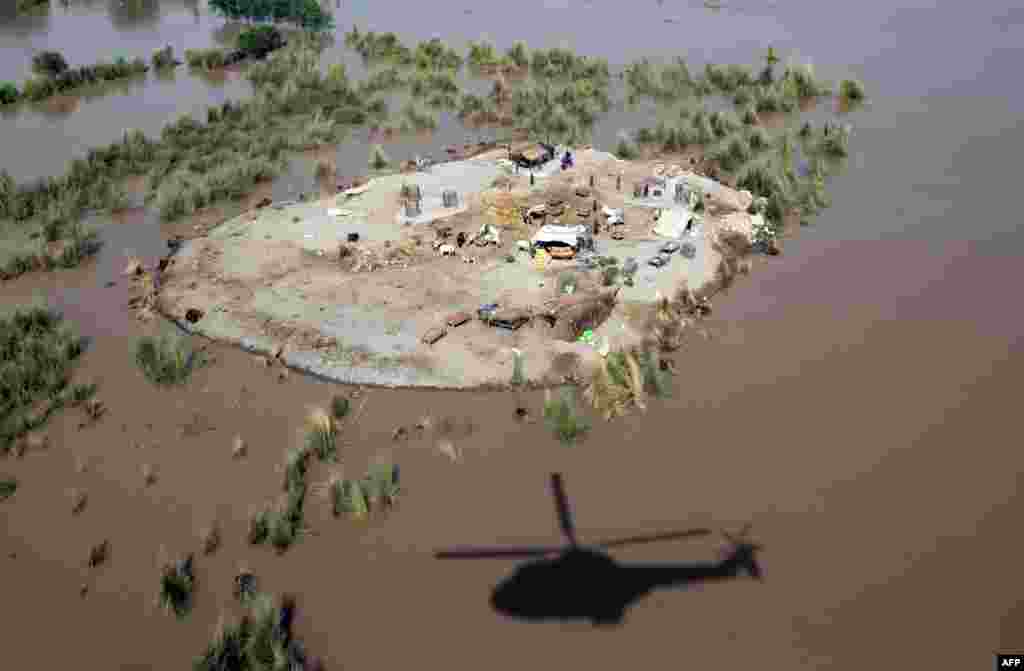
[[672, 223]]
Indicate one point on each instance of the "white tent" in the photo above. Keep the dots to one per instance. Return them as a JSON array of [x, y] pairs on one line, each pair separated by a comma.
[[672, 223]]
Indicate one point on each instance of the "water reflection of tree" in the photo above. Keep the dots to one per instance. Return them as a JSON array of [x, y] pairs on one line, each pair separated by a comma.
[[128, 14]]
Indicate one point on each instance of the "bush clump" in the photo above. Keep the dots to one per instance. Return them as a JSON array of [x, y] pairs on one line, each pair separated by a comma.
[[49, 63], [177, 582], [377, 491], [851, 90], [262, 640], [37, 352], [563, 417], [258, 41], [8, 93], [166, 361], [378, 159], [164, 58]]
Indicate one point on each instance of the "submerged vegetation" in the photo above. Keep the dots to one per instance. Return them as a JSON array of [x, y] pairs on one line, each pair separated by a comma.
[[624, 381], [55, 77], [177, 582], [282, 522], [563, 416], [7, 488], [262, 640], [167, 360], [37, 352], [377, 491]]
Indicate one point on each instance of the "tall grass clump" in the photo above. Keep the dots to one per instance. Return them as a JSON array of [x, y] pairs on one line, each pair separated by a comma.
[[164, 58], [563, 417], [378, 159], [626, 150], [799, 82], [37, 352], [262, 640], [377, 491], [166, 360], [177, 582], [322, 435], [518, 378], [209, 59]]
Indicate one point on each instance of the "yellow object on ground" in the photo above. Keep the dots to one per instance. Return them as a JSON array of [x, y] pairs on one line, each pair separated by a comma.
[[541, 259]]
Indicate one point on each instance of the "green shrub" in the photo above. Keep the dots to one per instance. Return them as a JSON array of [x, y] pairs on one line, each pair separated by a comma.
[[258, 41], [8, 93]]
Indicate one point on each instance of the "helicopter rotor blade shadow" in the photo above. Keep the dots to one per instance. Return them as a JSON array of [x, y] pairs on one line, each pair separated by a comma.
[[496, 553], [562, 504], [650, 538]]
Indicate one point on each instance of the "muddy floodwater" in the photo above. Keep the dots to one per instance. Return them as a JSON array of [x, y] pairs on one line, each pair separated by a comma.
[[854, 400]]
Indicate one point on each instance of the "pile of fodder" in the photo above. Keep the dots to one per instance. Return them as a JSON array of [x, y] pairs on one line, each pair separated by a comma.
[[261, 639], [625, 380], [37, 354]]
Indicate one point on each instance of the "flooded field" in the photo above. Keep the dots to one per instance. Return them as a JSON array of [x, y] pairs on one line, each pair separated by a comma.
[[853, 399]]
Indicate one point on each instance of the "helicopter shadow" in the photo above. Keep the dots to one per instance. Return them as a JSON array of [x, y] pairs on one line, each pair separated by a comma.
[[582, 582]]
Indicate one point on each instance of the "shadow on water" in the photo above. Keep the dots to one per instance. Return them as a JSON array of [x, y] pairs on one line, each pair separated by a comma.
[[584, 582]]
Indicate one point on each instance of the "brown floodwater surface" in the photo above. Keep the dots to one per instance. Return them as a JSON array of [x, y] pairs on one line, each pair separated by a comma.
[[855, 400]]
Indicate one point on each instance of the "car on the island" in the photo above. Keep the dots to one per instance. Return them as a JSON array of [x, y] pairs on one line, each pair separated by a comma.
[[657, 261], [670, 247]]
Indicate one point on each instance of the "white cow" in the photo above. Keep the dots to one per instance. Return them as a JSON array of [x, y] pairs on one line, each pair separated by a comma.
[[447, 250]]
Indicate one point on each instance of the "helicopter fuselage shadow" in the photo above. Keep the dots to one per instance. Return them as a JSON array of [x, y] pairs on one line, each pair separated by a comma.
[[588, 584]]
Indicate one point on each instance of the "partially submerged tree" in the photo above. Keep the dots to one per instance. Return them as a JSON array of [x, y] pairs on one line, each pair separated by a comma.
[[49, 63]]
